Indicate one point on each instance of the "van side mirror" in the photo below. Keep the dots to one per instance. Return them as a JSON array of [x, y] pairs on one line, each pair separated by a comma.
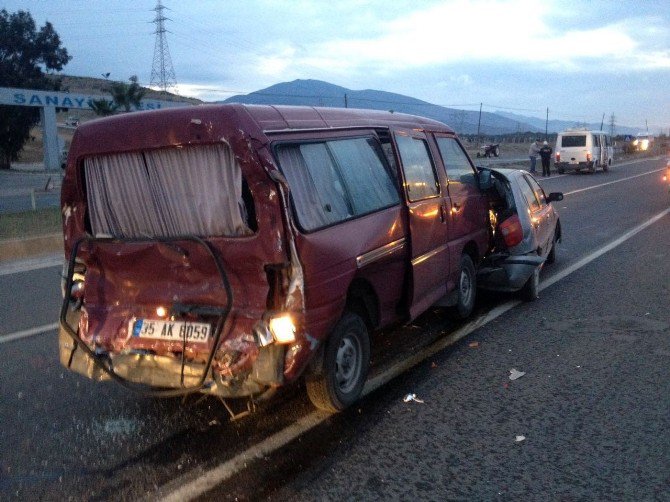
[[484, 179], [555, 196]]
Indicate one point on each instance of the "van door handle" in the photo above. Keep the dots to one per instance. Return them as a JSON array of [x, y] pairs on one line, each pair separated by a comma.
[[443, 217]]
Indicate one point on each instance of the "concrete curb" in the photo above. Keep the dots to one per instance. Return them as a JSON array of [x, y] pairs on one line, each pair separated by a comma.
[[14, 249]]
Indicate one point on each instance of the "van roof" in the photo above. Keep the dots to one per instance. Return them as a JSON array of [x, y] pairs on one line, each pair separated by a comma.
[[209, 123], [274, 118]]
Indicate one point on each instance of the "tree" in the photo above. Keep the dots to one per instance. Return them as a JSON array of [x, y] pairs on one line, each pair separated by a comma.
[[24, 53], [127, 96], [103, 108]]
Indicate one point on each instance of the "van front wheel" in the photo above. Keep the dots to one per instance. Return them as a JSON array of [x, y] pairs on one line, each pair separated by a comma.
[[336, 380]]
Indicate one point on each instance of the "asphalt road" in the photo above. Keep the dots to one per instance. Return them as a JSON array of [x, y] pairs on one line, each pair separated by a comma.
[[593, 405]]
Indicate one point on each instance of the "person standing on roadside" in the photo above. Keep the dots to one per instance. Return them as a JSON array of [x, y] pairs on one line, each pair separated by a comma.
[[532, 153], [545, 155]]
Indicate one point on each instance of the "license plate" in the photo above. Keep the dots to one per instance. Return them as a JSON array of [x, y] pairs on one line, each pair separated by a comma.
[[170, 330]]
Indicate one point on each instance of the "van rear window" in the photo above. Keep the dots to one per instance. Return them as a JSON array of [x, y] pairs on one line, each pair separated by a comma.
[[167, 193], [336, 180], [573, 140]]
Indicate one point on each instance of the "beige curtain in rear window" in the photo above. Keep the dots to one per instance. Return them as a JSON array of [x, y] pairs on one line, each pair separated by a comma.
[[166, 193]]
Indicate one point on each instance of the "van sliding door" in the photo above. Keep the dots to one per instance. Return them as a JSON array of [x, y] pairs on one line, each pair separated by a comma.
[[427, 220]]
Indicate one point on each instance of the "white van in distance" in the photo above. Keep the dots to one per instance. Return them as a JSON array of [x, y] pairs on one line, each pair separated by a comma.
[[578, 149]]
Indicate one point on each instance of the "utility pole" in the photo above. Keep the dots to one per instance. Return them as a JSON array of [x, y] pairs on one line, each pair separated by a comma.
[[162, 71], [612, 124], [346, 101], [479, 123], [602, 122], [546, 127]]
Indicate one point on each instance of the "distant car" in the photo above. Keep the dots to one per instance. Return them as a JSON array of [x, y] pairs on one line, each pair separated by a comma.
[[525, 228]]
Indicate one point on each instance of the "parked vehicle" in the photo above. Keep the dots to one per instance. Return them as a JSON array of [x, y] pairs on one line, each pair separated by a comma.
[[489, 150], [231, 249], [642, 142], [526, 229], [578, 149]]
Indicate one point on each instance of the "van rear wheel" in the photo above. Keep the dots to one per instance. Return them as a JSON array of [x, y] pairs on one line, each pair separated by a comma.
[[335, 381], [467, 288]]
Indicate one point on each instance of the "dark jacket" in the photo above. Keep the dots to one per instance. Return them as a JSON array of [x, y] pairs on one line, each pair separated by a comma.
[[545, 152]]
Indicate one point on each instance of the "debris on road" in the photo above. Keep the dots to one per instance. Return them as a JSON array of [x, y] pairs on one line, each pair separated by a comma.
[[412, 397], [473, 345], [433, 365], [515, 374], [518, 439]]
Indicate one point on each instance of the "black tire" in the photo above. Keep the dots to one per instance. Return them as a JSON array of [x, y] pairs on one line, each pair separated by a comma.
[[606, 166], [467, 288], [335, 381], [531, 290], [561, 170]]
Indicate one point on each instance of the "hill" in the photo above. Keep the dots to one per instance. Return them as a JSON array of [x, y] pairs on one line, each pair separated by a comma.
[[319, 93], [101, 86], [562, 125]]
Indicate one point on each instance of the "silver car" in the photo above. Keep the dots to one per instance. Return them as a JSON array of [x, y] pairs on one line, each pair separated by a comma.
[[525, 228]]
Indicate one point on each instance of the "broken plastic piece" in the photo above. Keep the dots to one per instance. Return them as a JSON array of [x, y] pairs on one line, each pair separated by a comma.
[[473, 345], [518, 439], [515, 374], [412, 397]]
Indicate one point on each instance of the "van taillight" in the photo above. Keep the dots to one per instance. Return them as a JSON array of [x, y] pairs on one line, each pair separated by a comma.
[[588, 156], [511, 231], [558, 156]]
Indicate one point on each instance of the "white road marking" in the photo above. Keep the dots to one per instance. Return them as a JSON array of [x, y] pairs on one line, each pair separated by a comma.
[[26, 265], [184, 490], [615, 181], [28, 332]]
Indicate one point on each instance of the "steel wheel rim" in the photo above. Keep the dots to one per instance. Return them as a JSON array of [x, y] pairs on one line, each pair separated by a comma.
[[465, 285], [348, 363]]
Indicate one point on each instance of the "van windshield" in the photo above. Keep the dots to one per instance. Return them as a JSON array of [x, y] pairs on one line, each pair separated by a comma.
[[169, 192], [573, 140]]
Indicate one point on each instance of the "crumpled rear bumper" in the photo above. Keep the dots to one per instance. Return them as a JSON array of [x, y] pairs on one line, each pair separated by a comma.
[[154, 371], [501, 272]]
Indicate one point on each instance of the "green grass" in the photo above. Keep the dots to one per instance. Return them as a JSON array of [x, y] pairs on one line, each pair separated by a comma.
[[30, 223]]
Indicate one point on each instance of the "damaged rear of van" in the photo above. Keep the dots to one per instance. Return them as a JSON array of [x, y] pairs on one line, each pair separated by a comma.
[[231, 249]]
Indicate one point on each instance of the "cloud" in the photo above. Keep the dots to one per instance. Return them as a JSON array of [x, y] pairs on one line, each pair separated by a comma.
[[460, 31]]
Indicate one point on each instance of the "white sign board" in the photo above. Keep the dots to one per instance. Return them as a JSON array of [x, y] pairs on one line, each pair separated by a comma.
[[30, 97], [48, 101]]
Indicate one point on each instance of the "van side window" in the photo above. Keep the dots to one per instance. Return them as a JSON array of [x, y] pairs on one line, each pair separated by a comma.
[[456, 162], [420, 179], [333, 181], [596, 140]]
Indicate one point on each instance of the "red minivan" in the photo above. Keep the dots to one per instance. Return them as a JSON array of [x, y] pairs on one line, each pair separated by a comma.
[[231, 249]]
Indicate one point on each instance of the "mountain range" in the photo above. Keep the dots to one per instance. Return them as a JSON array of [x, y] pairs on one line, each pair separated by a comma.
[[319, 93]]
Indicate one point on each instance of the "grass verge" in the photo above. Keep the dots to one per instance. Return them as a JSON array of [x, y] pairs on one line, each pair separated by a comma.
[[30, 223]]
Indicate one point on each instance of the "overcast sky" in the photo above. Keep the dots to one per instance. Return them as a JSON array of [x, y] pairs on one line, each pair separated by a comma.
[[578, 58]]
